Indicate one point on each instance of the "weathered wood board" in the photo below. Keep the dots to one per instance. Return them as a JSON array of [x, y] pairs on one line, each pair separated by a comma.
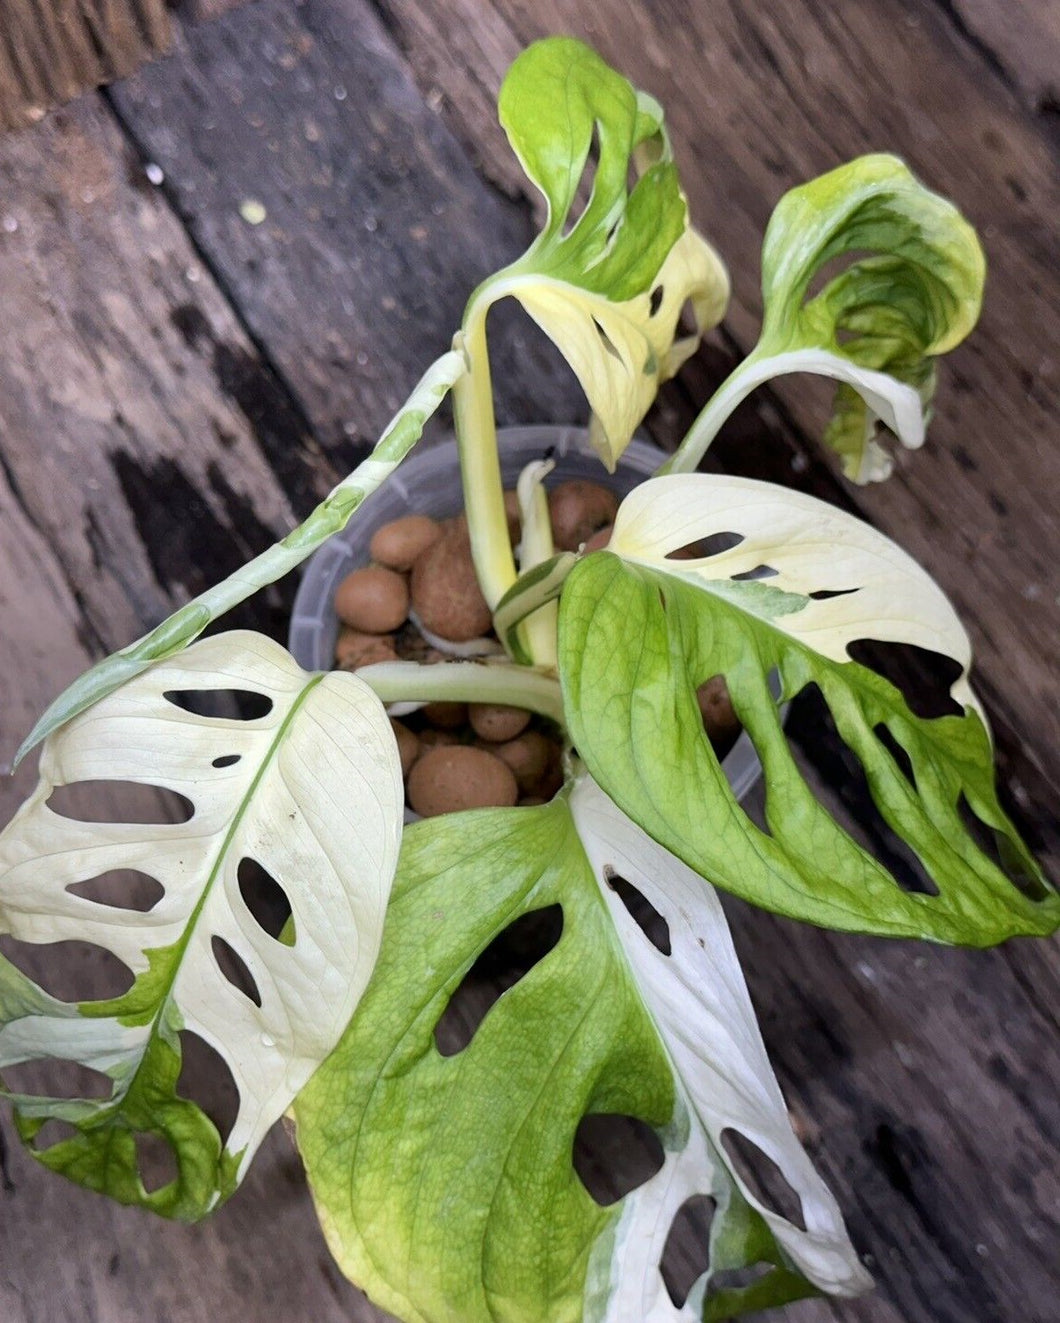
[[177, 384], [52, 50]]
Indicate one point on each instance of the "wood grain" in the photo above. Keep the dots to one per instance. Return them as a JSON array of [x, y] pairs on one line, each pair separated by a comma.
[[50, 50], [176, 384], [376, 225]]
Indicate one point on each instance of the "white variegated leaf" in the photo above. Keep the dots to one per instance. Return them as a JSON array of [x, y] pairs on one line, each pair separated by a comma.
[[311, 792], [697, 997], [623, 351], [812, 547]]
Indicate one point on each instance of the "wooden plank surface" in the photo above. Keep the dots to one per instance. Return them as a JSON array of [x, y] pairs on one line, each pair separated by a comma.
[[50, 50], [158, 345]]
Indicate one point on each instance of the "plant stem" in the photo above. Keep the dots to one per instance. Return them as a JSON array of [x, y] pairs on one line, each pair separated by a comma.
[[480, 468], [540, 629], [736, 387], [332, 515], [466, 682]]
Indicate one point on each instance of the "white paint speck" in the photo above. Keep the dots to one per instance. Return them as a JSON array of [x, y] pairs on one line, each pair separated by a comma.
[[252, 211], [154, 172], [340, 92], [10, 224]]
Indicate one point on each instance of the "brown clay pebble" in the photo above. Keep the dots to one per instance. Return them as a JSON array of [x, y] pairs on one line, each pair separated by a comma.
[[496, 722], [445, 593], [448, 780], [408, 744], [551, 779], [577, 509], [433, 738], [600, 538], [400, 543], [374, 599], [528, 757], [719, 720], [446, 716], [355, 648]]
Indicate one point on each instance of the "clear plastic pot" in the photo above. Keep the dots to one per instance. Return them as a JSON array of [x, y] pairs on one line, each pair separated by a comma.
[[429, 483]]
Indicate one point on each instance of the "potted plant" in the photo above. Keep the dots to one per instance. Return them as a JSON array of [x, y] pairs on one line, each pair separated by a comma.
[[445, 1184]]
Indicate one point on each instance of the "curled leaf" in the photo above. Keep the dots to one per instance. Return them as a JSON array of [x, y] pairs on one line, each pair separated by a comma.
[[911, 292], [607, 283]]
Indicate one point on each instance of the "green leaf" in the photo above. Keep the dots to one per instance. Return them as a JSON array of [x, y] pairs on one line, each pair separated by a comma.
[[912, 292], [606, 284], [311, 791], [638, 634], [445, 1183]]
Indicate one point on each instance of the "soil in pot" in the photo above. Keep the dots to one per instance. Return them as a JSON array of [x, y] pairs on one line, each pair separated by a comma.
[[419, 600]]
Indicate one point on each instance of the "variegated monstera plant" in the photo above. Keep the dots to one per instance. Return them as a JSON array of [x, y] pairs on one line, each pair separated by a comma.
[[445, 1185]]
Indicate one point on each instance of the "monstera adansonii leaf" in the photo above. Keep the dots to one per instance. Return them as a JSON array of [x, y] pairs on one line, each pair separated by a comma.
[[607, 283], [310, 792], [911, 292], [798, 584], [445, 1182]]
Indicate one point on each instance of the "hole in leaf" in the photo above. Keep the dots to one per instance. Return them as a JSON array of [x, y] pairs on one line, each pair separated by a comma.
[[711, 545], [155, 1161], [234, 968], [641, 910], [763, 1177], [901, 758], [241, 704], [655, 301], [226, 760], [606, 341], [53, 1132], [121, 889], [206, 1080], [266, 900], [759, 572], [614, 1154], [738, 1279], [835, 266], [120, 801], [923, 677], [1001, 852], [586, 184], [687, 323], [686, 1254], [56, 1077], [823, 594], [720, 722], [72, 971], [813, 726], [508, 958]]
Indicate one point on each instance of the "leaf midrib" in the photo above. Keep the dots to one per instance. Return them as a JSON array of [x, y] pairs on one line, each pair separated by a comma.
[[179, 948]]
